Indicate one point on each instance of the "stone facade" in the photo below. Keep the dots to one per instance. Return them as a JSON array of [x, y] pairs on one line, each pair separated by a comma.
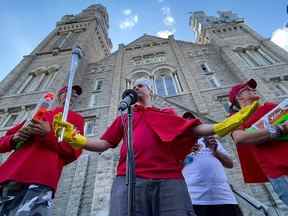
[[187, 76]]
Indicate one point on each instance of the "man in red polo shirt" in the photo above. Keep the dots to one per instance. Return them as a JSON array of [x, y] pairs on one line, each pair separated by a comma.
[[29, 177], [161, 140], [263, 157]]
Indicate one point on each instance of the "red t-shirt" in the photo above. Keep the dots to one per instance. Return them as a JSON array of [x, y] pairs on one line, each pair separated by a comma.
[[266, 160], [155, 137], [41, 160]]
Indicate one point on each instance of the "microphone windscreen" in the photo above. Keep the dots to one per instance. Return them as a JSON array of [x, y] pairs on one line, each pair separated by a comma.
[[131, 93]]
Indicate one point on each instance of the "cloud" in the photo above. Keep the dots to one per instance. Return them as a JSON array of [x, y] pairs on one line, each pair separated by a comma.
[[166, 11], [164, 33], [129, 22], [160, 1], [168, 19], [169, 22], [280, 37], [127, 12]]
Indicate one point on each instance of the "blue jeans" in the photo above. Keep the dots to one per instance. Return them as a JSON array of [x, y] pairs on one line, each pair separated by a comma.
[[280, 186]]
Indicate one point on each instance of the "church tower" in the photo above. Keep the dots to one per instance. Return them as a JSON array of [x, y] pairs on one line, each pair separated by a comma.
[[246, 53]]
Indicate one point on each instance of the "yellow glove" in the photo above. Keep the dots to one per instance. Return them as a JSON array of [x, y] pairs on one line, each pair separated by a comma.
[[234, 121], [58, 124], [71, 135]]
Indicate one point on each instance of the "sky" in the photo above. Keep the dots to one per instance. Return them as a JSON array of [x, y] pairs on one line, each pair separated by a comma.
[[24, 24]]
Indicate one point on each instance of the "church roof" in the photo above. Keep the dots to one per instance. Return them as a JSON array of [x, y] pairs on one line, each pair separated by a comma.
[[146, 38]]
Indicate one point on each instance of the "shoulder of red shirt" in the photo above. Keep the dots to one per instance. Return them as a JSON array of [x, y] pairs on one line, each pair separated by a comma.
[[270, 104], [168, 110], [265, 105], [258, 113], [154, 108]]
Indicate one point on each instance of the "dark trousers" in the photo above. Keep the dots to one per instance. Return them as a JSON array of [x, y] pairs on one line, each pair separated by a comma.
[[152, 198], [25, 200], [218, 210]]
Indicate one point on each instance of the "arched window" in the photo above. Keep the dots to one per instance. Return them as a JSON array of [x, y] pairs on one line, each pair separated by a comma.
[[39, 79], [160, 87], [166, 83], [255, 56]]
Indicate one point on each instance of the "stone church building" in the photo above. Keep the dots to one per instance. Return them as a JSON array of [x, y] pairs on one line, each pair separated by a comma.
[[188, 76]]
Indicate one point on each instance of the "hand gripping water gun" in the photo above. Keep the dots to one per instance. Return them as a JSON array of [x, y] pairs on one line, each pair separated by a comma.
[[71, 135], [276, 116], [44, 105]]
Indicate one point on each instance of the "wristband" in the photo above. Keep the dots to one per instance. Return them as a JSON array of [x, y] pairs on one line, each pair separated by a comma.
[[274, 131]]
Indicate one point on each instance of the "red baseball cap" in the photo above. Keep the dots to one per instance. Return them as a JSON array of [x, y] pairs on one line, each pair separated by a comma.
[[234, 91], [77, 88]]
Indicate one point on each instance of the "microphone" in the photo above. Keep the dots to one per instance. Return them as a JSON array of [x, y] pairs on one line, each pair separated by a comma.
[[129, 97]]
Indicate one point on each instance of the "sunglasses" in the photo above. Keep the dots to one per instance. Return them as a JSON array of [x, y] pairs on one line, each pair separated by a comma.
[[245, 89], [74, 93], [139, 86]]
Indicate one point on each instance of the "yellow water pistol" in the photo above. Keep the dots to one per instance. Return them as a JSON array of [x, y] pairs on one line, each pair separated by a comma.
[[71, 135]]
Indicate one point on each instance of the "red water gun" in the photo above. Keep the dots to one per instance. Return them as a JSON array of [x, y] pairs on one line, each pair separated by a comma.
[[43, 106]]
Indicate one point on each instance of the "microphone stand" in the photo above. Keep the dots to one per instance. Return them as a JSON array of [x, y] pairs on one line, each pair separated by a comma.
[[130, 165]]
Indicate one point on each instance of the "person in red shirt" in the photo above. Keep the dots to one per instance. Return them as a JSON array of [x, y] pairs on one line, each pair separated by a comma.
[[160, 187], [161, 140], [29, 177], [263, 158]]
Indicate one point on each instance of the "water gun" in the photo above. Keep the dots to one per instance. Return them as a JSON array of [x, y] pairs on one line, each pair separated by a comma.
[[276, 116], [44, 105]]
